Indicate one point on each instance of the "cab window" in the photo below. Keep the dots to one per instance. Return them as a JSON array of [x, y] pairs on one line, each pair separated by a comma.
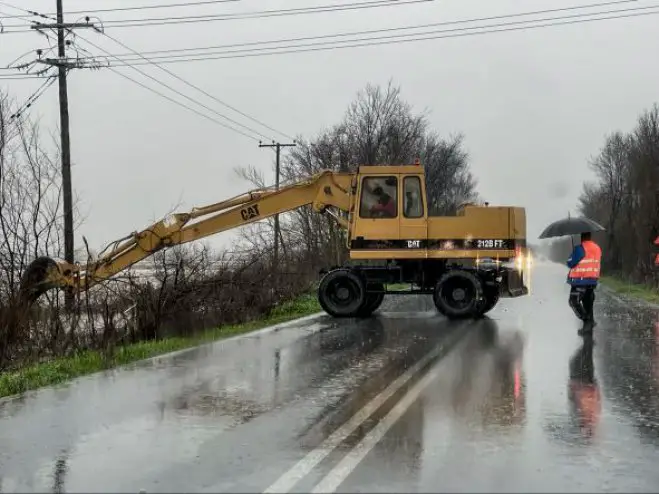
[[379, 197], [412, 204]]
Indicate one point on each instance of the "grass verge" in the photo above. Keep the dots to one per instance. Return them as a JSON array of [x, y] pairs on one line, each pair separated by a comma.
[[85, 362], [635, 290]]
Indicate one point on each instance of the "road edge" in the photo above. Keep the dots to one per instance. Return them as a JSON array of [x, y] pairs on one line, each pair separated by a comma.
[[257, 332], [139, 363], [625, 299]]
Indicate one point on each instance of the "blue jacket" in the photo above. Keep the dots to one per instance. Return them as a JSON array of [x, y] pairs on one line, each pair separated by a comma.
[[577, 255]]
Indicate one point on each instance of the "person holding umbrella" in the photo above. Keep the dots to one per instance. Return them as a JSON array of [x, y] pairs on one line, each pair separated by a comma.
[[584, 263], [583, 277]]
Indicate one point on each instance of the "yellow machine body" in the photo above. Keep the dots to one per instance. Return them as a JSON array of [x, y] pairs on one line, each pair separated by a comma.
[[498, 232], [408, 246]]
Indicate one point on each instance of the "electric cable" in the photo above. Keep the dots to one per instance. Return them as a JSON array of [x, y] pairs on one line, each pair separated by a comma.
[[201, 90], [163, 21], [185, 96], [137, 7], [385, 40], [381, 30], [34, 97], [180, 104], [195, 87], [20, 77]]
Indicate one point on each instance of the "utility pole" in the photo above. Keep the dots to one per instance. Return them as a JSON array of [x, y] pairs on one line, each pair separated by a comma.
[[66, 148], [63, 65], [277, 146]]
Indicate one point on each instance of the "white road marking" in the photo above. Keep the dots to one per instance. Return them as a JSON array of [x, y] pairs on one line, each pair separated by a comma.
[[302, 468], [338, 474]]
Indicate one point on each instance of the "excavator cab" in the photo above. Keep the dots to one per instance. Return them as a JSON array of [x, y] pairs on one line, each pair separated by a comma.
[[392, 213]]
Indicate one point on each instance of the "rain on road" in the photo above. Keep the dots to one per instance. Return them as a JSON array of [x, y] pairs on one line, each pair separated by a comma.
[[405, 401]]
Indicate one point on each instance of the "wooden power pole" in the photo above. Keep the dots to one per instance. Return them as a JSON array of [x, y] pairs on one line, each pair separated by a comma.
[[277, 146], [66, 148], [63, 65]]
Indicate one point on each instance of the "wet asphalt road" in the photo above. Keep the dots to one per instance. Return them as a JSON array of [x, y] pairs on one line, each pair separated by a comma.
[[406, 401]]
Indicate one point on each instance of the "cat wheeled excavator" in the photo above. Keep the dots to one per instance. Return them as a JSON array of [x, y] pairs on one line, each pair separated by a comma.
[[467, 262]]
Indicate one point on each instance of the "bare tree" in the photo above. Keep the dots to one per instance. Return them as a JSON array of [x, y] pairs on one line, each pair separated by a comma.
[[449, 182], [625, 198], [30, 218], [611, 167], [380, 128]]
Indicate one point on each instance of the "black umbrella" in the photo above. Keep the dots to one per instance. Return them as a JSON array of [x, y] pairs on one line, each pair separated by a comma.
[[571, 226]]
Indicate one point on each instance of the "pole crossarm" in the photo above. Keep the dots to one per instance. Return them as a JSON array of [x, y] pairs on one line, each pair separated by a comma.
[[62, 25]]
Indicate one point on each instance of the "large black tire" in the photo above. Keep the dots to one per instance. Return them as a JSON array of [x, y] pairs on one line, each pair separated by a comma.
[[372, 301], [341, 293], [458, 294], [491, 296]]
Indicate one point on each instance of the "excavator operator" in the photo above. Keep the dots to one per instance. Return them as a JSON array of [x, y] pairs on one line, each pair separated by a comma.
[[385, 206]]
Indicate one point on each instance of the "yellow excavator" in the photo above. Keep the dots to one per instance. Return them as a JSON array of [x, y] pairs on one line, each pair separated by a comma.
[[466, 262]]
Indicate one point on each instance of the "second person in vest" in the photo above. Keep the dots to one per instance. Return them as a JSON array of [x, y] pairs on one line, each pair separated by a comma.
[[583, 277]]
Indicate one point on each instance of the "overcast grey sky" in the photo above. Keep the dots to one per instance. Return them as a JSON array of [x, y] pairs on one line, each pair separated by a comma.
[[533, 105]]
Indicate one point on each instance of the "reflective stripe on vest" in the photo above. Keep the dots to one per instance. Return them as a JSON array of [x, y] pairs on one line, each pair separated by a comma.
[[589, 266]]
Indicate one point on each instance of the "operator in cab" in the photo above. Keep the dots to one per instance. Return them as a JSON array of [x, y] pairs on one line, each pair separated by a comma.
[[583, 277], [385, 205]]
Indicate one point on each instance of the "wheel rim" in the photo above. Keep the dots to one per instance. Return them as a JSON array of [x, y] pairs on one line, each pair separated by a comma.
[[342, 293], [458, 293]]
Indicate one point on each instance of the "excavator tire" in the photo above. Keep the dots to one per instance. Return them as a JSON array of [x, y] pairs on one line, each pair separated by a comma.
[[342, 293], [458, 294], [372, 302]]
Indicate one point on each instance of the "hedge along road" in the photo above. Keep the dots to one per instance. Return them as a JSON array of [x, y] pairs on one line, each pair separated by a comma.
[[405, 401]]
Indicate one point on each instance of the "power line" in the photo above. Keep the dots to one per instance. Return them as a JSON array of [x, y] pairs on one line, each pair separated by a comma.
[[375, 31], [313, 47], [9, 16], [187, 97], [203, 91], [137, 7], [370, 4], [176, 91], [155, 91], [163, 21], [19, 77], [34, 97]]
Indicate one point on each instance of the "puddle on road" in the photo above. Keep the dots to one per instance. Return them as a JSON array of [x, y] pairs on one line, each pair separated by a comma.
[[627, 358], [541, 416], [482, 389], [171, 414]]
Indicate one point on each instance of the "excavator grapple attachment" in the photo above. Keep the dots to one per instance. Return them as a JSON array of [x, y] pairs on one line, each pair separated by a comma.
[[41, 275]]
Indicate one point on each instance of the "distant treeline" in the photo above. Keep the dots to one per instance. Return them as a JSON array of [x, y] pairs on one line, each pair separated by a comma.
[[624, 198]]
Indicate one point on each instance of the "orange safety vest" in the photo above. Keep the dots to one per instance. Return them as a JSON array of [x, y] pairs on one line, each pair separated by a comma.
[[589, 266]]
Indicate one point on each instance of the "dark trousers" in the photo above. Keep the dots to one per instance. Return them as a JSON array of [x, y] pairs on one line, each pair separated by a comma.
[[582, 299]]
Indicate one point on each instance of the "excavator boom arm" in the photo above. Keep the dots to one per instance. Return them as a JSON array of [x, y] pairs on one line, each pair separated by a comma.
[[322, 190]]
